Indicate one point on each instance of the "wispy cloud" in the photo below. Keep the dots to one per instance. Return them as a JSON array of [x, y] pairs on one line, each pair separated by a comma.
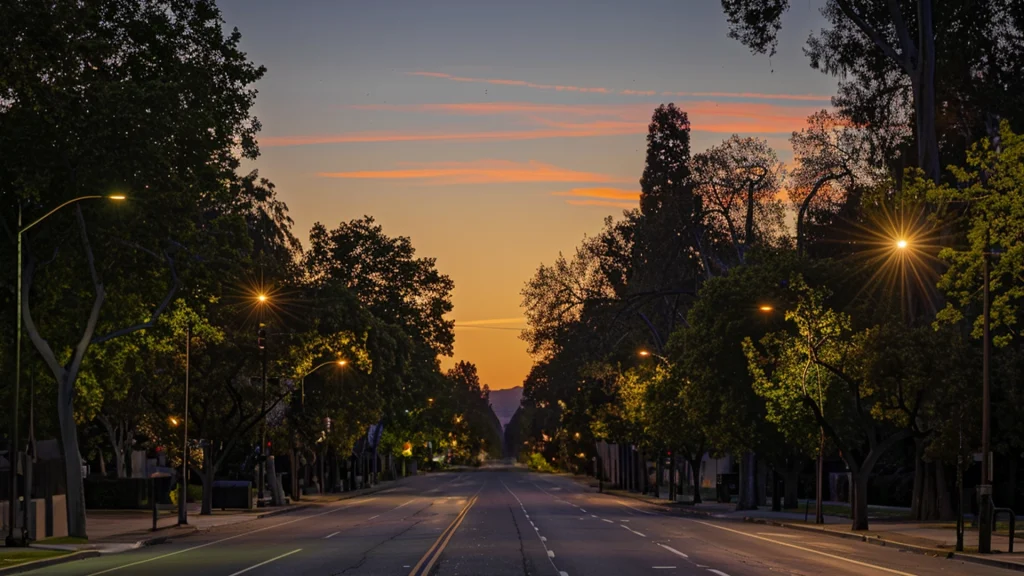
[[479, 172], [612, 203], [614, 197], [605, 193], [546, 121], [523, 83], [491, 321], [576, 131], [593, 90]]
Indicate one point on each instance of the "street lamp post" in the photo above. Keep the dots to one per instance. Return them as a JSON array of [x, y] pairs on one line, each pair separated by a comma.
[[302, 404], [262, 342], [985, 489], [985, 506], [819, 481], [13, 454], [302, 381]]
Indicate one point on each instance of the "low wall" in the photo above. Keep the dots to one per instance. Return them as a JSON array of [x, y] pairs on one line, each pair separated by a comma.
[[45, 525]]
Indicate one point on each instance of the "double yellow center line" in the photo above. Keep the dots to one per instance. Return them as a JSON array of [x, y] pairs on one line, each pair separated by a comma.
[[423, 567]]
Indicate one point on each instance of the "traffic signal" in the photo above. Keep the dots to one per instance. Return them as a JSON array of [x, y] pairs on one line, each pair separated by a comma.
[[261, 338]]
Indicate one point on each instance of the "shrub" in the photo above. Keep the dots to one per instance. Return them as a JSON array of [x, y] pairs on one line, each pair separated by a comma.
[[538, 463]]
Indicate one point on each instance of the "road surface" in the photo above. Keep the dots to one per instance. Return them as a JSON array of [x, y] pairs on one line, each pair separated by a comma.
[[505, 522]]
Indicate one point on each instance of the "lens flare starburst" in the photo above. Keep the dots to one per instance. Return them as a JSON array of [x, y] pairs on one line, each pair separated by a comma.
[[898, 244]]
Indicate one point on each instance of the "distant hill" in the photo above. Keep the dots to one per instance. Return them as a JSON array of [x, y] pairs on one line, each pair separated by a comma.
[[504, 403]]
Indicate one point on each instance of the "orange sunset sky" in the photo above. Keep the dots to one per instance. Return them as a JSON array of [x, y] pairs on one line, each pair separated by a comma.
[[498, 134]]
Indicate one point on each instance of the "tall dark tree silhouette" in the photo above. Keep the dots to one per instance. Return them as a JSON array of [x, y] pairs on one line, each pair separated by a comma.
[[150, 99]]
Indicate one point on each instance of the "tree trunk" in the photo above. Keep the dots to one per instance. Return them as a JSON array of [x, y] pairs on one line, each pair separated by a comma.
[[75, 496], [919, 472], [292, 475], [209, 473], [119, 464], [943, 504], [672, 477], [762, 476], [748, 482], [859, 491], [695, 472], [657, 475], [791, 480], [924, 94]]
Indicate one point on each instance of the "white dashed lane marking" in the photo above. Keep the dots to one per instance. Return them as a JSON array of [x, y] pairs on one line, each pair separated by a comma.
[[673, 550]]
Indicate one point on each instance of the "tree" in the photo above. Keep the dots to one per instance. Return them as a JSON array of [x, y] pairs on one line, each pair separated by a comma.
[[672, 423], [708, 354], [150, 99], [830, 166], [868, 389], [739, 182], [933, 72], [387, 277], [669, 247], [986, 209]]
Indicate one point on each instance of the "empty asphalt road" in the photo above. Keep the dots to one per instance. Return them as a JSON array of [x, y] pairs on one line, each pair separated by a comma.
[[505, 522]]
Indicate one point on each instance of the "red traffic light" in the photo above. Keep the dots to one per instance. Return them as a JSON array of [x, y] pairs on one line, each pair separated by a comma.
[[261, 338]]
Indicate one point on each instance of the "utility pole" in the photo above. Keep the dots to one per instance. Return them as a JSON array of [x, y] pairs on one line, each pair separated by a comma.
[[12, 451], [182, 507], [28, 528], [261, 340]]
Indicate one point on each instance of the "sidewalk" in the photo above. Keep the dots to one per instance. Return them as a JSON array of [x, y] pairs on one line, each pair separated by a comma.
[[933, 538], [112, 531]]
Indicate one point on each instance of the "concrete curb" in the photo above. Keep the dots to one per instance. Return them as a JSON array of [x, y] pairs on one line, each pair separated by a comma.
[[164, 538], [925, 550], [46, 562], [876, 540]]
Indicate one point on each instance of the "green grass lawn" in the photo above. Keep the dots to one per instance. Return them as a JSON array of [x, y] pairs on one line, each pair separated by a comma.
[[14, 556]]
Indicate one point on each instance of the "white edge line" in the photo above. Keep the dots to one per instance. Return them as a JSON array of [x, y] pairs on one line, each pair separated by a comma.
[[673, 550], [812, 551], [265, 562], [637, 509], [176, 552], [719, 572], [331, 535]]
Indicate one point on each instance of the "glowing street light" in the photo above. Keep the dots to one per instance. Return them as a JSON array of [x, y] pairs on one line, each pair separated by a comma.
[[173, 421], [766, 308], [262, 298], [13, 453], [302, 381], [646, 353], [901, 244]]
